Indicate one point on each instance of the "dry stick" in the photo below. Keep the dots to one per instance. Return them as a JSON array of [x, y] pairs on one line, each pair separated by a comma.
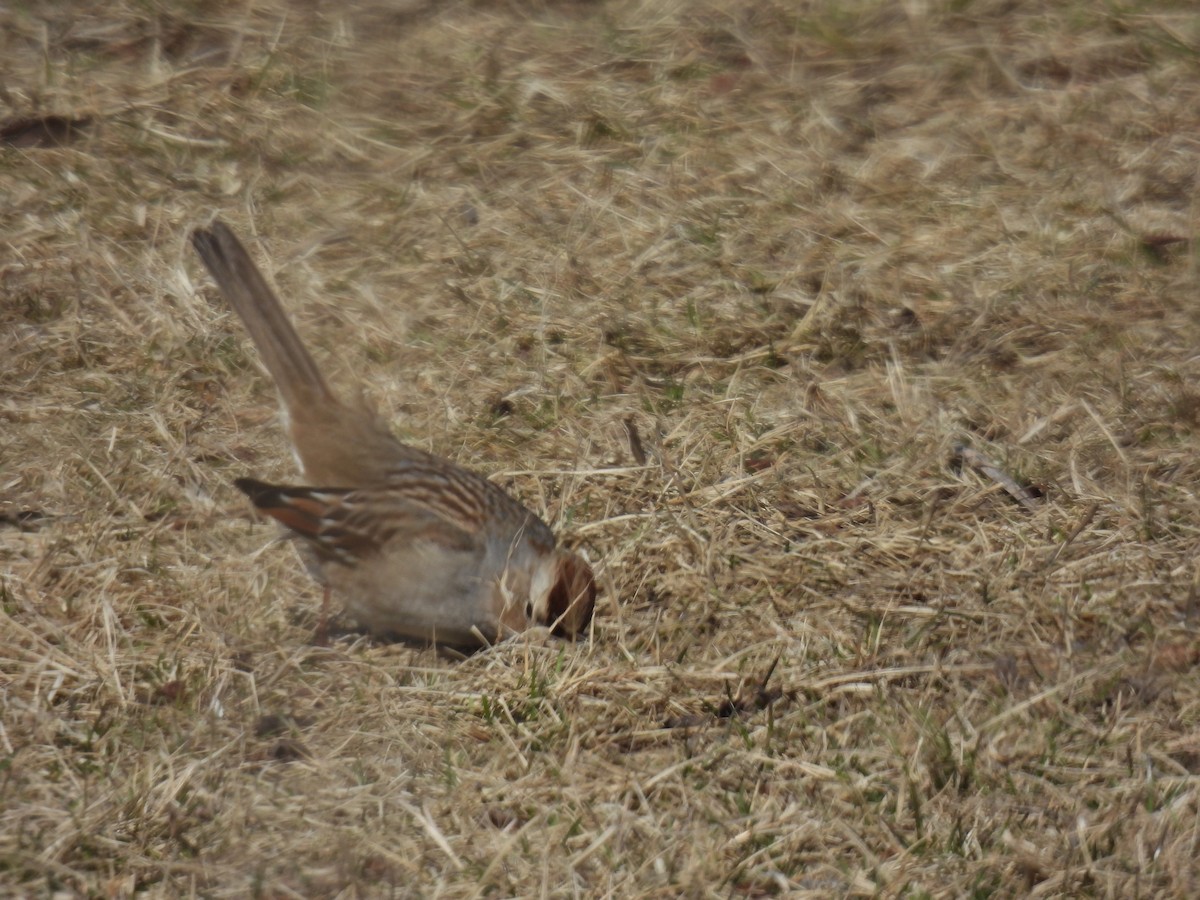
[[425, 820], [1084, 522], [875, 676], [688, 531], [1100, 423], [635, 442], [760, 699], [939, 497], [981, 463]]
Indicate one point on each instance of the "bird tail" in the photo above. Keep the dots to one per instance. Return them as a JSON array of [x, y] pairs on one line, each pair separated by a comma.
[[295, 372]]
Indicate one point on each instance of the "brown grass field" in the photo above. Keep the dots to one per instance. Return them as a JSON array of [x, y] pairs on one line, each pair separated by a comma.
[[857, 344]]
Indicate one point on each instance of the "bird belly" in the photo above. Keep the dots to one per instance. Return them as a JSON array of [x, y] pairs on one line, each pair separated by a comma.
[[428, 592]]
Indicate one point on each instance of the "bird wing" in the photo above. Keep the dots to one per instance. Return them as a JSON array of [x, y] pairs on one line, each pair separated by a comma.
[[346, 524]]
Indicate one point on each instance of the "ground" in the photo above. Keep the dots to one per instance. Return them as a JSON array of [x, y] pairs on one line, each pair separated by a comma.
[[854, 343]]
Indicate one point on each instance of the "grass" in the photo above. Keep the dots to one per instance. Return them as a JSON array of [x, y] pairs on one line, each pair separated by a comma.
[[719, 289]]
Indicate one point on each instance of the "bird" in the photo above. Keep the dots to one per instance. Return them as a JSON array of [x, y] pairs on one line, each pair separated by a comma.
[[415, 546]]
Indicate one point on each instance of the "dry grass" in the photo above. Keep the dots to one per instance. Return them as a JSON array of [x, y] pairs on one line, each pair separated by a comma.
[[803, 252]]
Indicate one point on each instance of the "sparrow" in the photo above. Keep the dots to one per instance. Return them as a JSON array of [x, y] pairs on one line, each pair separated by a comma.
[[414, 545]]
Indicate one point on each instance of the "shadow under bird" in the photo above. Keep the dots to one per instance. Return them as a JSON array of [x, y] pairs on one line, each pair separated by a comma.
[[414, 545]]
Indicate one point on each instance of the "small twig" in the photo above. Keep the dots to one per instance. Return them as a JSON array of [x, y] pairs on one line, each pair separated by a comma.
[[982, 464], [939, 497], [1084, 522], [760, 698], [635, 442]]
